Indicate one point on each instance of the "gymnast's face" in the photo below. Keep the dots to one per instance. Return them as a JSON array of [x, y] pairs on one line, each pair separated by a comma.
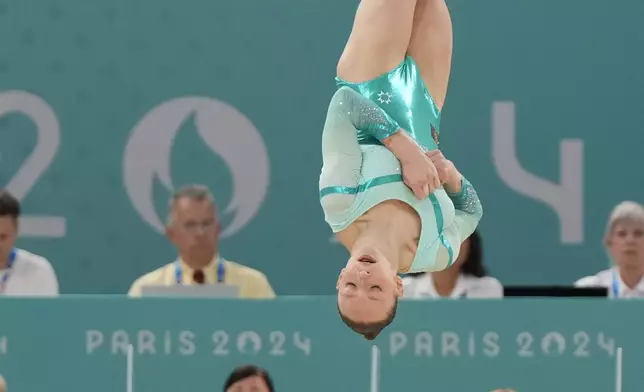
[[367, 289]]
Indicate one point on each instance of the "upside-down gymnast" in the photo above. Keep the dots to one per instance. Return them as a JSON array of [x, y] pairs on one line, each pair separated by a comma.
[[388, 193]]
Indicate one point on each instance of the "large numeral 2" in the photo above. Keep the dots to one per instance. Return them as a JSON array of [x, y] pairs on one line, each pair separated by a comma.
[[38, 162]]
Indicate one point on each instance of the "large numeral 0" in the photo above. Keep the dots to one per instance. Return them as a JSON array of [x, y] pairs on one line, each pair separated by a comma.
[[40, 159]]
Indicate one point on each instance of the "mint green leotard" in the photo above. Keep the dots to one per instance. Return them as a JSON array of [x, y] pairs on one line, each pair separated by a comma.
[[402, 94], [359, 172]]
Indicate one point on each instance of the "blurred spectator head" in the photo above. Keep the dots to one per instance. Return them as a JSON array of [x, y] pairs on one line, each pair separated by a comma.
[[624, 238], [470, 258], [9, 214], [249, 378], [193, 226], [3, 385]]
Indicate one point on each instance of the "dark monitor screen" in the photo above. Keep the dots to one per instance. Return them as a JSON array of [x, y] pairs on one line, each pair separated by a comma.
[[554, 291]]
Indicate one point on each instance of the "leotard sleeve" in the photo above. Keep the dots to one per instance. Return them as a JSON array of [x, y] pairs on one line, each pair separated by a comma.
[[468, 214], [348, 112]]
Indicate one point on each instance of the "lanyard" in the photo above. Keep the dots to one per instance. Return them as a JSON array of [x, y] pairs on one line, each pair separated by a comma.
[[7, 274], [614, 287], [221, 271]]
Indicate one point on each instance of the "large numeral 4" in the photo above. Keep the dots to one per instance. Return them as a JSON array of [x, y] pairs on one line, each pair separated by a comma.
[[38, 161]]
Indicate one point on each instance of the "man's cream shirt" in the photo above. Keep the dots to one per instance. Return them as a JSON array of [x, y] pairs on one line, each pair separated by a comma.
[[251, 282]]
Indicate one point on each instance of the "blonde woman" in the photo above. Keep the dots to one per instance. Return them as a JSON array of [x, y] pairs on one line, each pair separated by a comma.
[[624, 241]]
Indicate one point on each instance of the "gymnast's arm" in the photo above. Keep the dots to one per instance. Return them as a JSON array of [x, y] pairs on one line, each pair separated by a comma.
[[468, 210], [351, 111]]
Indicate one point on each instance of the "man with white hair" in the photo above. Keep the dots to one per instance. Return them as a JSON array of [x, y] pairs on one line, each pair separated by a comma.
[[624, 241]]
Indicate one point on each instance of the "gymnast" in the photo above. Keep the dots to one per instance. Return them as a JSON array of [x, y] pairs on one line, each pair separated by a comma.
[[388, 193]]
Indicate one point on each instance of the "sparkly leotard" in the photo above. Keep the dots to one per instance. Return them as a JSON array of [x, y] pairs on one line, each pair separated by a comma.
[[402, 94], [359, 172]]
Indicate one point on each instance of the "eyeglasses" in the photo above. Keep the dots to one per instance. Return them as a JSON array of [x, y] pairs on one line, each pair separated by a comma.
[[193, 227]]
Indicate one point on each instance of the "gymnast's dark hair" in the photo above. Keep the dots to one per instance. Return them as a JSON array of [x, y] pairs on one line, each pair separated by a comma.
[[246, 371], [9, 205], [370, 330], [473, 265]]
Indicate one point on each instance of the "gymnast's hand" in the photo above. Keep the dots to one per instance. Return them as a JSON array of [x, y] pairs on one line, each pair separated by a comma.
[[449, 176], [418, 171], [419, 174]]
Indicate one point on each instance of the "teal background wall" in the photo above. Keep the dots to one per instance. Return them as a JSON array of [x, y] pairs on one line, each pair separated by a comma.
[[79, 344], [106, 106]]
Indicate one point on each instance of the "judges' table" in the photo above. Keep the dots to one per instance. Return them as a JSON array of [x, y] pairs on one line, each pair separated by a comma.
[[80, 344]]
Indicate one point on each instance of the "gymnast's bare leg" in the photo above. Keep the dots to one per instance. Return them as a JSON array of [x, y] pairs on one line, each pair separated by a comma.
[[431, 46], [379, 39]]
